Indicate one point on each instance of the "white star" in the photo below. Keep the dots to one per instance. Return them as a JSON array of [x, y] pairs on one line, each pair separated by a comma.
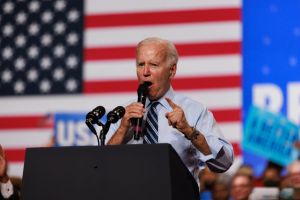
[[21, 18], [20, 40], [72, 62], [19, 86], [20, 64], [73, 15], [72, 38], [8, 7], [33, 29], [6, 76], [58, 74], [33, 52], [8, 30], [46, 39], [46, 63], [34, 6], [7, 53], [32, 75], [45, 86], [59, 28], [60, 5], [71, 85], [59, 51], [47, 17]]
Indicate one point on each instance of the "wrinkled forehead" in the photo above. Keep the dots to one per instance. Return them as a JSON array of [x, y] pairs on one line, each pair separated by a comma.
[[154, 50]]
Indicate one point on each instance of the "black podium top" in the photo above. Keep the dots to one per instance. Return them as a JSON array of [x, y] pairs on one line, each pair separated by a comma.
[[121, 172]]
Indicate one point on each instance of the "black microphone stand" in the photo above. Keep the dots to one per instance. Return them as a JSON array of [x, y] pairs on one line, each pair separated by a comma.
[[103, 132]]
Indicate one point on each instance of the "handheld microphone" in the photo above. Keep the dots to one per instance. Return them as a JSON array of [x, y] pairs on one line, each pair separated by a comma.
[[137, 122], [116, 114], [93, 118]]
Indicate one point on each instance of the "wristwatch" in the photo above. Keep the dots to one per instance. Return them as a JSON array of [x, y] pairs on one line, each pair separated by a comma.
[[194, 135]]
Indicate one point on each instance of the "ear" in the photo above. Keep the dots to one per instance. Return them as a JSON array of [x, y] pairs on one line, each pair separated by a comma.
[[173, 69]]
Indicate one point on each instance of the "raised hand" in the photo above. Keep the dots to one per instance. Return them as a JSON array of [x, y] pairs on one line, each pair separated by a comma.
[[177, 119]]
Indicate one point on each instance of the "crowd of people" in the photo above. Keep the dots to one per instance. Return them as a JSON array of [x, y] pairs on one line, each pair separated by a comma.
[[276, 182]]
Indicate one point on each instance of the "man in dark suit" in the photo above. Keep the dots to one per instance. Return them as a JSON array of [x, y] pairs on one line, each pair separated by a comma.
[[7, 190]]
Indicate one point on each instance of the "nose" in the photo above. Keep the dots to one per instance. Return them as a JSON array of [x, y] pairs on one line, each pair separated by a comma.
[[146, 70]]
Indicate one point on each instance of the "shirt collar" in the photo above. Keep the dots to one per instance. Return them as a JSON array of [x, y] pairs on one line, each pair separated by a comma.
[[170, 94]]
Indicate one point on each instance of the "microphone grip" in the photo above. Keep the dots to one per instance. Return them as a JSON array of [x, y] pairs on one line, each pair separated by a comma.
[[138, 128], [138, 121]]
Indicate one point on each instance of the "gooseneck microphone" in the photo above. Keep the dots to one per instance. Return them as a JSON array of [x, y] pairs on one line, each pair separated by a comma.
[[137, 122], [112, 117], [93, 118], [116, 114]]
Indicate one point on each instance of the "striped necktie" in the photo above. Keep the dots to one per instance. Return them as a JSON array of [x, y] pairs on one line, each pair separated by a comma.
[[151, 127]]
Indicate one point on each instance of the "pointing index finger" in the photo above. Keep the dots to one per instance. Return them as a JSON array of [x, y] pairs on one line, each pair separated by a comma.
[[171, 103]]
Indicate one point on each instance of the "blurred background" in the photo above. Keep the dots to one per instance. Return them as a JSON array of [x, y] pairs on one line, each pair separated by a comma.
[[60, 59]]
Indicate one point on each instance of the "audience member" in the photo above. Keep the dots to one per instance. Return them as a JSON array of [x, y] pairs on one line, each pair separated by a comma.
[[221, 189], [293, 179], [8, 191], [241, 186]]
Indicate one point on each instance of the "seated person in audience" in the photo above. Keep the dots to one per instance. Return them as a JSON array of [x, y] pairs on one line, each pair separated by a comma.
[[288, 184], [221, 190], [8, 191], [241, 186]]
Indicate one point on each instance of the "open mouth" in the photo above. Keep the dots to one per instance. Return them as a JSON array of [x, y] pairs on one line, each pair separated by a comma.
[[148, 83]]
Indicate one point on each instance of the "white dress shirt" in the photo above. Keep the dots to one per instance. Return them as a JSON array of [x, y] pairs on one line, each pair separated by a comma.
[[202, 119]]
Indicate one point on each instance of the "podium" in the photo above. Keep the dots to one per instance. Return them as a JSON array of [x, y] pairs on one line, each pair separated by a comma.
[[116, 172]]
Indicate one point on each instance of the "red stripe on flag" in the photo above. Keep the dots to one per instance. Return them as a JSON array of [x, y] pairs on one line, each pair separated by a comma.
[[15, 155], [182, 83], [237, 149], [20, 122], [125, 52], [29, 122], [227, 115], [162, 17], [18, 155]]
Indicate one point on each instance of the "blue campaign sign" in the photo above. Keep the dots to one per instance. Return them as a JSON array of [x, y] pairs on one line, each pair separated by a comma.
[[70, 130], [271, 62], [271, 136]]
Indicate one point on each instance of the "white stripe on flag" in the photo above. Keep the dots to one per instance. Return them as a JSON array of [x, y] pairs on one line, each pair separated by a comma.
[[231, 98], [187, 66], [218, 31], [102, 6]]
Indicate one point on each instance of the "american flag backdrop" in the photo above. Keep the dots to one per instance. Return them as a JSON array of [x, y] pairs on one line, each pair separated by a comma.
[[70, 56]]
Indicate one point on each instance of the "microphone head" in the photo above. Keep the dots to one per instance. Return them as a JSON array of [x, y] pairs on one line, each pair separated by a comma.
[[116, 114], [143, 88], [95, 114]]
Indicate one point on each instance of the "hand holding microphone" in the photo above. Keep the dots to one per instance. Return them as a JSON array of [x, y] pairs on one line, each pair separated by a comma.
[[137, 122]]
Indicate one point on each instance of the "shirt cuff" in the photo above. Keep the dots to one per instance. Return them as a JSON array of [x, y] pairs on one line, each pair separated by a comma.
[[205, 158], [7, 189]]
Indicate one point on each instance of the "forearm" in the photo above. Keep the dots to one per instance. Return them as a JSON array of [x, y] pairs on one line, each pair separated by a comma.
[[198, 140], [118, 137], [218, 163]]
